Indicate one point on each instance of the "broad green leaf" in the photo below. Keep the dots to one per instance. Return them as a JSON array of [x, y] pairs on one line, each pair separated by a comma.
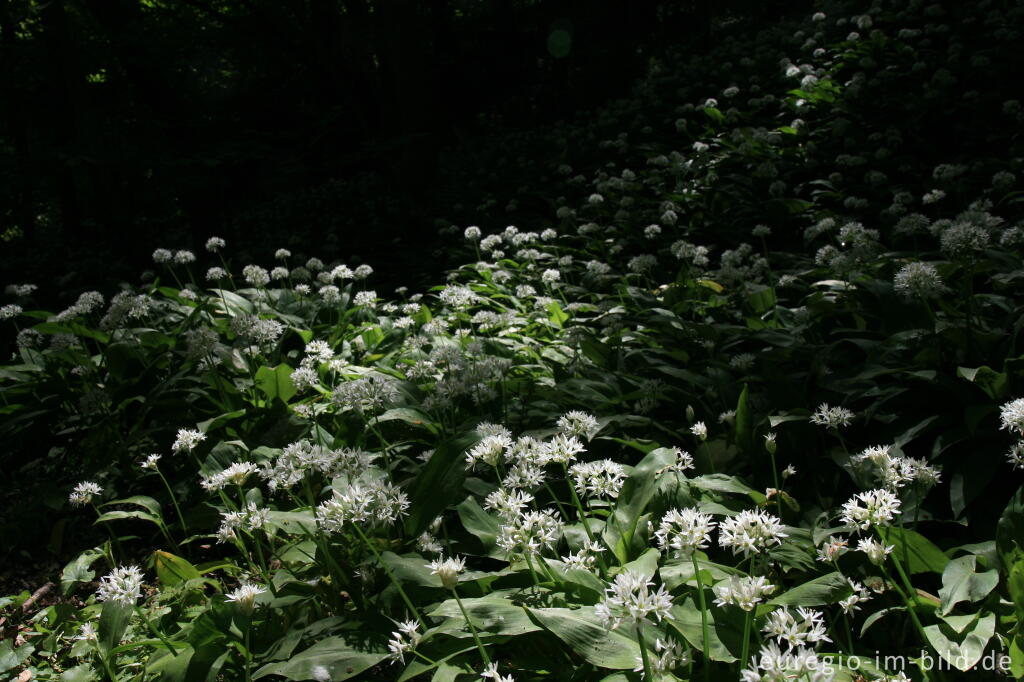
[[439, 483], [922, 556], [646, 565], [826, 589], [276, 382], [986, 378], [587, 636], [172, 570], [686, 619], [494, 614], [79, 570], [636, 492], [116, 515], [341, 659], [744, 423], [478, 522], [114, 619], [961, 583], [960, 644], [556, 315]]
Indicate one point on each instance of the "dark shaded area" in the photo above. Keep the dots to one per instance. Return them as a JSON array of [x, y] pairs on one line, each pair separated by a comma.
[[309, 124]]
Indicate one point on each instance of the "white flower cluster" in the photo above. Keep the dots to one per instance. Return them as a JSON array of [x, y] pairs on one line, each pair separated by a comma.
[[250, 518], [871, 508], [187, 440], [669, 655], [404, 639], [245, 595], [745, 592], [809, 628], [629, 599], [368, 500], [579, 424], [122, 585], [683, 531], [602, 478], [750, 532], [831, 417], [895, 472], [369, 394], [236, 474], [83, 493], [305, 458], [530, 533], [774, 665], [448, 570]]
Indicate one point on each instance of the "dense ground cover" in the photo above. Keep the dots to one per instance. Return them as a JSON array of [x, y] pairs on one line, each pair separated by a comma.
[[746, 404]]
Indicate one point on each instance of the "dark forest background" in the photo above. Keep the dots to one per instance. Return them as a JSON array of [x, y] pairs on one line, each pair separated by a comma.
[[344, 125]]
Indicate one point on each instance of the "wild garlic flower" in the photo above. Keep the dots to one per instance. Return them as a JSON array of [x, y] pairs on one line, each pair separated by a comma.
[[369, 394], [184, 257], [366, 501], [365, 298], [256, 276], [428, 544], [700, 430], [918, 280], [562, 449], [236, 474], [508, 503], [305, 458], [1011, 415], [83, 493], [750, 532], [214, 243], [602, 478], [809, 628], [489, 450], [860, 594], [10, 311], [1016, 455], [491, 673], [771, 664], [833, 548], [448, 570], [746, 592], [245, 595], [87, 633], [161, 256], [895, 472], [530, 533], [683, 461], [831, 417], [550, 276], [151, 462], [683, 531], [879, 507], [669, 655], [875, 550], [404, 639], [122, 585], [250, 518], [187, 440], [629, 599], [577, 423]]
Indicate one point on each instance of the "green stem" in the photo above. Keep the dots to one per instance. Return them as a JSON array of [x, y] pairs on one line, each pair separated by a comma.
[[472, 628], [704, 630], [174, 499], [746, 639], [391, 576], [108, 668], [152, 628], [644, 656], [248, 653]]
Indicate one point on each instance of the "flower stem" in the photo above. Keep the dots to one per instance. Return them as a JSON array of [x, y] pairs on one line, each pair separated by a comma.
[[746, 639], [704, 630], [391, 576], [472, 628], [648, 675]]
